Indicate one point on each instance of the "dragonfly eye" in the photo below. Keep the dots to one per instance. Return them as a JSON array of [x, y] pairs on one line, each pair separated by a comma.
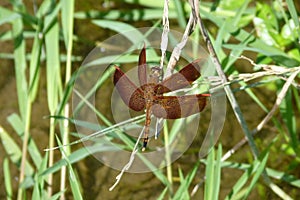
[[155, 70], [154, 75]]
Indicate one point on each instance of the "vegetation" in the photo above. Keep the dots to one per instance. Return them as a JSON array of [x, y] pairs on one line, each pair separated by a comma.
[[46, 42]]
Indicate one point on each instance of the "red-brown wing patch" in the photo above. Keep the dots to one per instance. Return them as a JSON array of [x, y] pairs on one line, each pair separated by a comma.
[[132, 96], [142, 68], [175, 107], [181, 79]]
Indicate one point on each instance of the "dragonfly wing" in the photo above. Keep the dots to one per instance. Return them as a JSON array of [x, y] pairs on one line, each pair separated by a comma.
[[132, 96], [142, 68], [181, 79], [175, 107]]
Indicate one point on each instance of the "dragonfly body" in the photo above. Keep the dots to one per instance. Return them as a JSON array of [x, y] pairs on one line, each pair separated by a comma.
[[149, 96]]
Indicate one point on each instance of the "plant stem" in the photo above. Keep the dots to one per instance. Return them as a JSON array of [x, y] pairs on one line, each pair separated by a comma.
[[24, 148], [168, 159], [51, 154]]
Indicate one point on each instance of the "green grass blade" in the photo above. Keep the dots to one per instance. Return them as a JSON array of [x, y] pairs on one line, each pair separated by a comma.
[[224, 35], [163, 194], [168, 161], [183, 190], [180, 13], [67, 21], [45, 8], [151, 4], [35, 65], [36, 193], [7, 179], [38, 189], [17, 123], [20, 65], [52, 64], [209, 176], [66, 94], [126, 15], [237, 188], [51, 18], [217, 174], [293, 11], [33, 150], [213, 174], [121, 27], [7, 15], [131, 33], [278, 175], [57, 195], [282, 176], [257, 169], [258, 173], [184, 193], [297, 98], [256, 45], [74, 183], [79, 155], [14, 151], [287, 111]]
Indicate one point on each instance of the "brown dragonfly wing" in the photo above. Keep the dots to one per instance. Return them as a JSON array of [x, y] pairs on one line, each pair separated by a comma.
[[142, 68], [175, 107], [132, 96], [181, 79]]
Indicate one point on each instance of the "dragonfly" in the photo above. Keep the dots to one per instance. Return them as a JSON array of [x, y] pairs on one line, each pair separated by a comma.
[[149, 96]]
